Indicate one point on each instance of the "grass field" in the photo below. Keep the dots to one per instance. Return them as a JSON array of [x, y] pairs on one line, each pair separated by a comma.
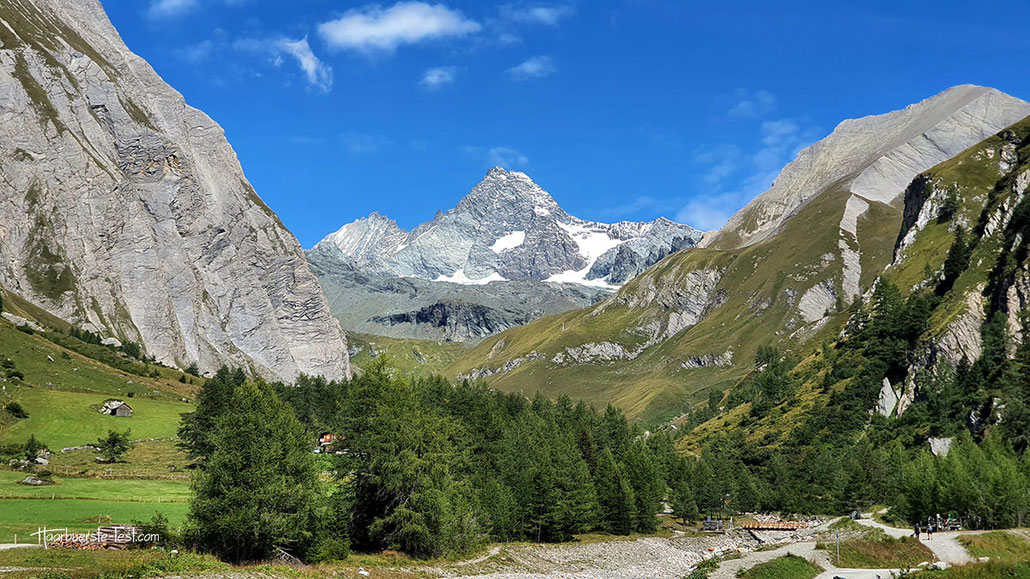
[[61, 419], [159, 459], [25, 516], [998, 546], [874, 549], [70, 370], [786, 567], [96, 489], [134, 563]]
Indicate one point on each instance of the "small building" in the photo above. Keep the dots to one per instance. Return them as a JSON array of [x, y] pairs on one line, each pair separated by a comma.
[[116, 408]]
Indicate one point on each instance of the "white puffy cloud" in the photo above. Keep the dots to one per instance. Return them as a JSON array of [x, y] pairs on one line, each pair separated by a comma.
[[734, 176], [373, 28], [319, 74], [536, 67], [435, 78], [163, 9], [536, 14], [752, 104], [507, 157], [361, 144], [498, 157]]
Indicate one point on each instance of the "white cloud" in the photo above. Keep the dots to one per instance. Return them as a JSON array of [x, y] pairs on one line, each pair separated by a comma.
[[302, 140], [507, 158], [733, 176], [360, 144], [373, 28], [537, 14], [536, 67], [161, 9], [318, 73], [748, 104], [499, 157], [196, 53], [708, 213], [435, 78]]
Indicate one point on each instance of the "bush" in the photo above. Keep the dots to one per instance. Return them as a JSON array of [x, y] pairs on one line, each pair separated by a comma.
[[329, 549], [15, 410], [158, 525], [26, 329]]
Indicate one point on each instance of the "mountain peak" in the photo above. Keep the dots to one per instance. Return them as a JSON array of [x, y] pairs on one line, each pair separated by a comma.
[[876, 157]]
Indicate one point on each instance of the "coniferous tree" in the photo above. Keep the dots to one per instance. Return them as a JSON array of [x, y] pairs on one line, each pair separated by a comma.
[[683, 505], [196, 428], [257, 489], [648, 487], [615, 495]]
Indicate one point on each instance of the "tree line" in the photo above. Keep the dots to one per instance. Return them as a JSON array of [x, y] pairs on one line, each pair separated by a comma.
[[419, 465]]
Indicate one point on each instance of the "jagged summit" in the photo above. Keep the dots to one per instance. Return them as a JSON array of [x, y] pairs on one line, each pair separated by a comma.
[[509, 228]]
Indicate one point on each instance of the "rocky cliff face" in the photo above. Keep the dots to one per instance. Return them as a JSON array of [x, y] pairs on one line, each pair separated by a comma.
[[505, 255], [876, 157], [980, 195], [125, 211], [508, 228]]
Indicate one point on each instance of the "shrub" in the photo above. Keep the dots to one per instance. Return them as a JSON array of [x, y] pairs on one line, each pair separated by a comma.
[[329, 549], [15, 410]]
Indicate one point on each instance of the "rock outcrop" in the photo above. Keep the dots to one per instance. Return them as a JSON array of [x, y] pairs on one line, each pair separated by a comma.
[[876, 157], [509, 228], [507, 247], [125, 211]]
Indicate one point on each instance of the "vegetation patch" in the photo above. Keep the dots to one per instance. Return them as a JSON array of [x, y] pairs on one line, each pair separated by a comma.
[[786, 567], [882, 552], [998, 546]]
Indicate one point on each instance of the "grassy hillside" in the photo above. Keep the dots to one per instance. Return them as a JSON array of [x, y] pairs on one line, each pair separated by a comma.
[[754, 302], [407, 355], [60, 381], [981, 193]]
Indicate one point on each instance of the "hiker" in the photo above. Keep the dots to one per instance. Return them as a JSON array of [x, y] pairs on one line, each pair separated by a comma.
[[929, 532], [917, 531]]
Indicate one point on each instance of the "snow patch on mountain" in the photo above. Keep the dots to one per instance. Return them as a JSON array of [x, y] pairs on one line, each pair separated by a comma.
[[509, 228], [509, 241], [460, 277]]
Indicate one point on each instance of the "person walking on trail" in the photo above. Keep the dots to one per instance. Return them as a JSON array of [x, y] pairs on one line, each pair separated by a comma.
[[929, 532], [917, 531]]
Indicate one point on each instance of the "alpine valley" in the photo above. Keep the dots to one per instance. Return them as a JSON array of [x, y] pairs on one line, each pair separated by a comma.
[[444, 400]]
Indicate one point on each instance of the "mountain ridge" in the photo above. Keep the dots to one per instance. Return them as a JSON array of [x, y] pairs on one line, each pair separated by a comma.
[[128, 212], [506, 254], [488, 234], [693, 322]]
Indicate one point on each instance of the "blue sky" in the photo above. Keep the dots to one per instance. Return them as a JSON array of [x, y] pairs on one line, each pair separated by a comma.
[[622, 109]]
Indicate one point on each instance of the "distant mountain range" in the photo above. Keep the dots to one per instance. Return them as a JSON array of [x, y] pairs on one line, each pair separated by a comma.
[[505, 255], [784, 270]]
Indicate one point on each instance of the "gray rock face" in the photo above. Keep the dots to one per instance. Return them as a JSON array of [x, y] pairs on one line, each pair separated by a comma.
[[125, 211], [508, 228], [505, 255], [387, 305], [876, 157], [888, 400]]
